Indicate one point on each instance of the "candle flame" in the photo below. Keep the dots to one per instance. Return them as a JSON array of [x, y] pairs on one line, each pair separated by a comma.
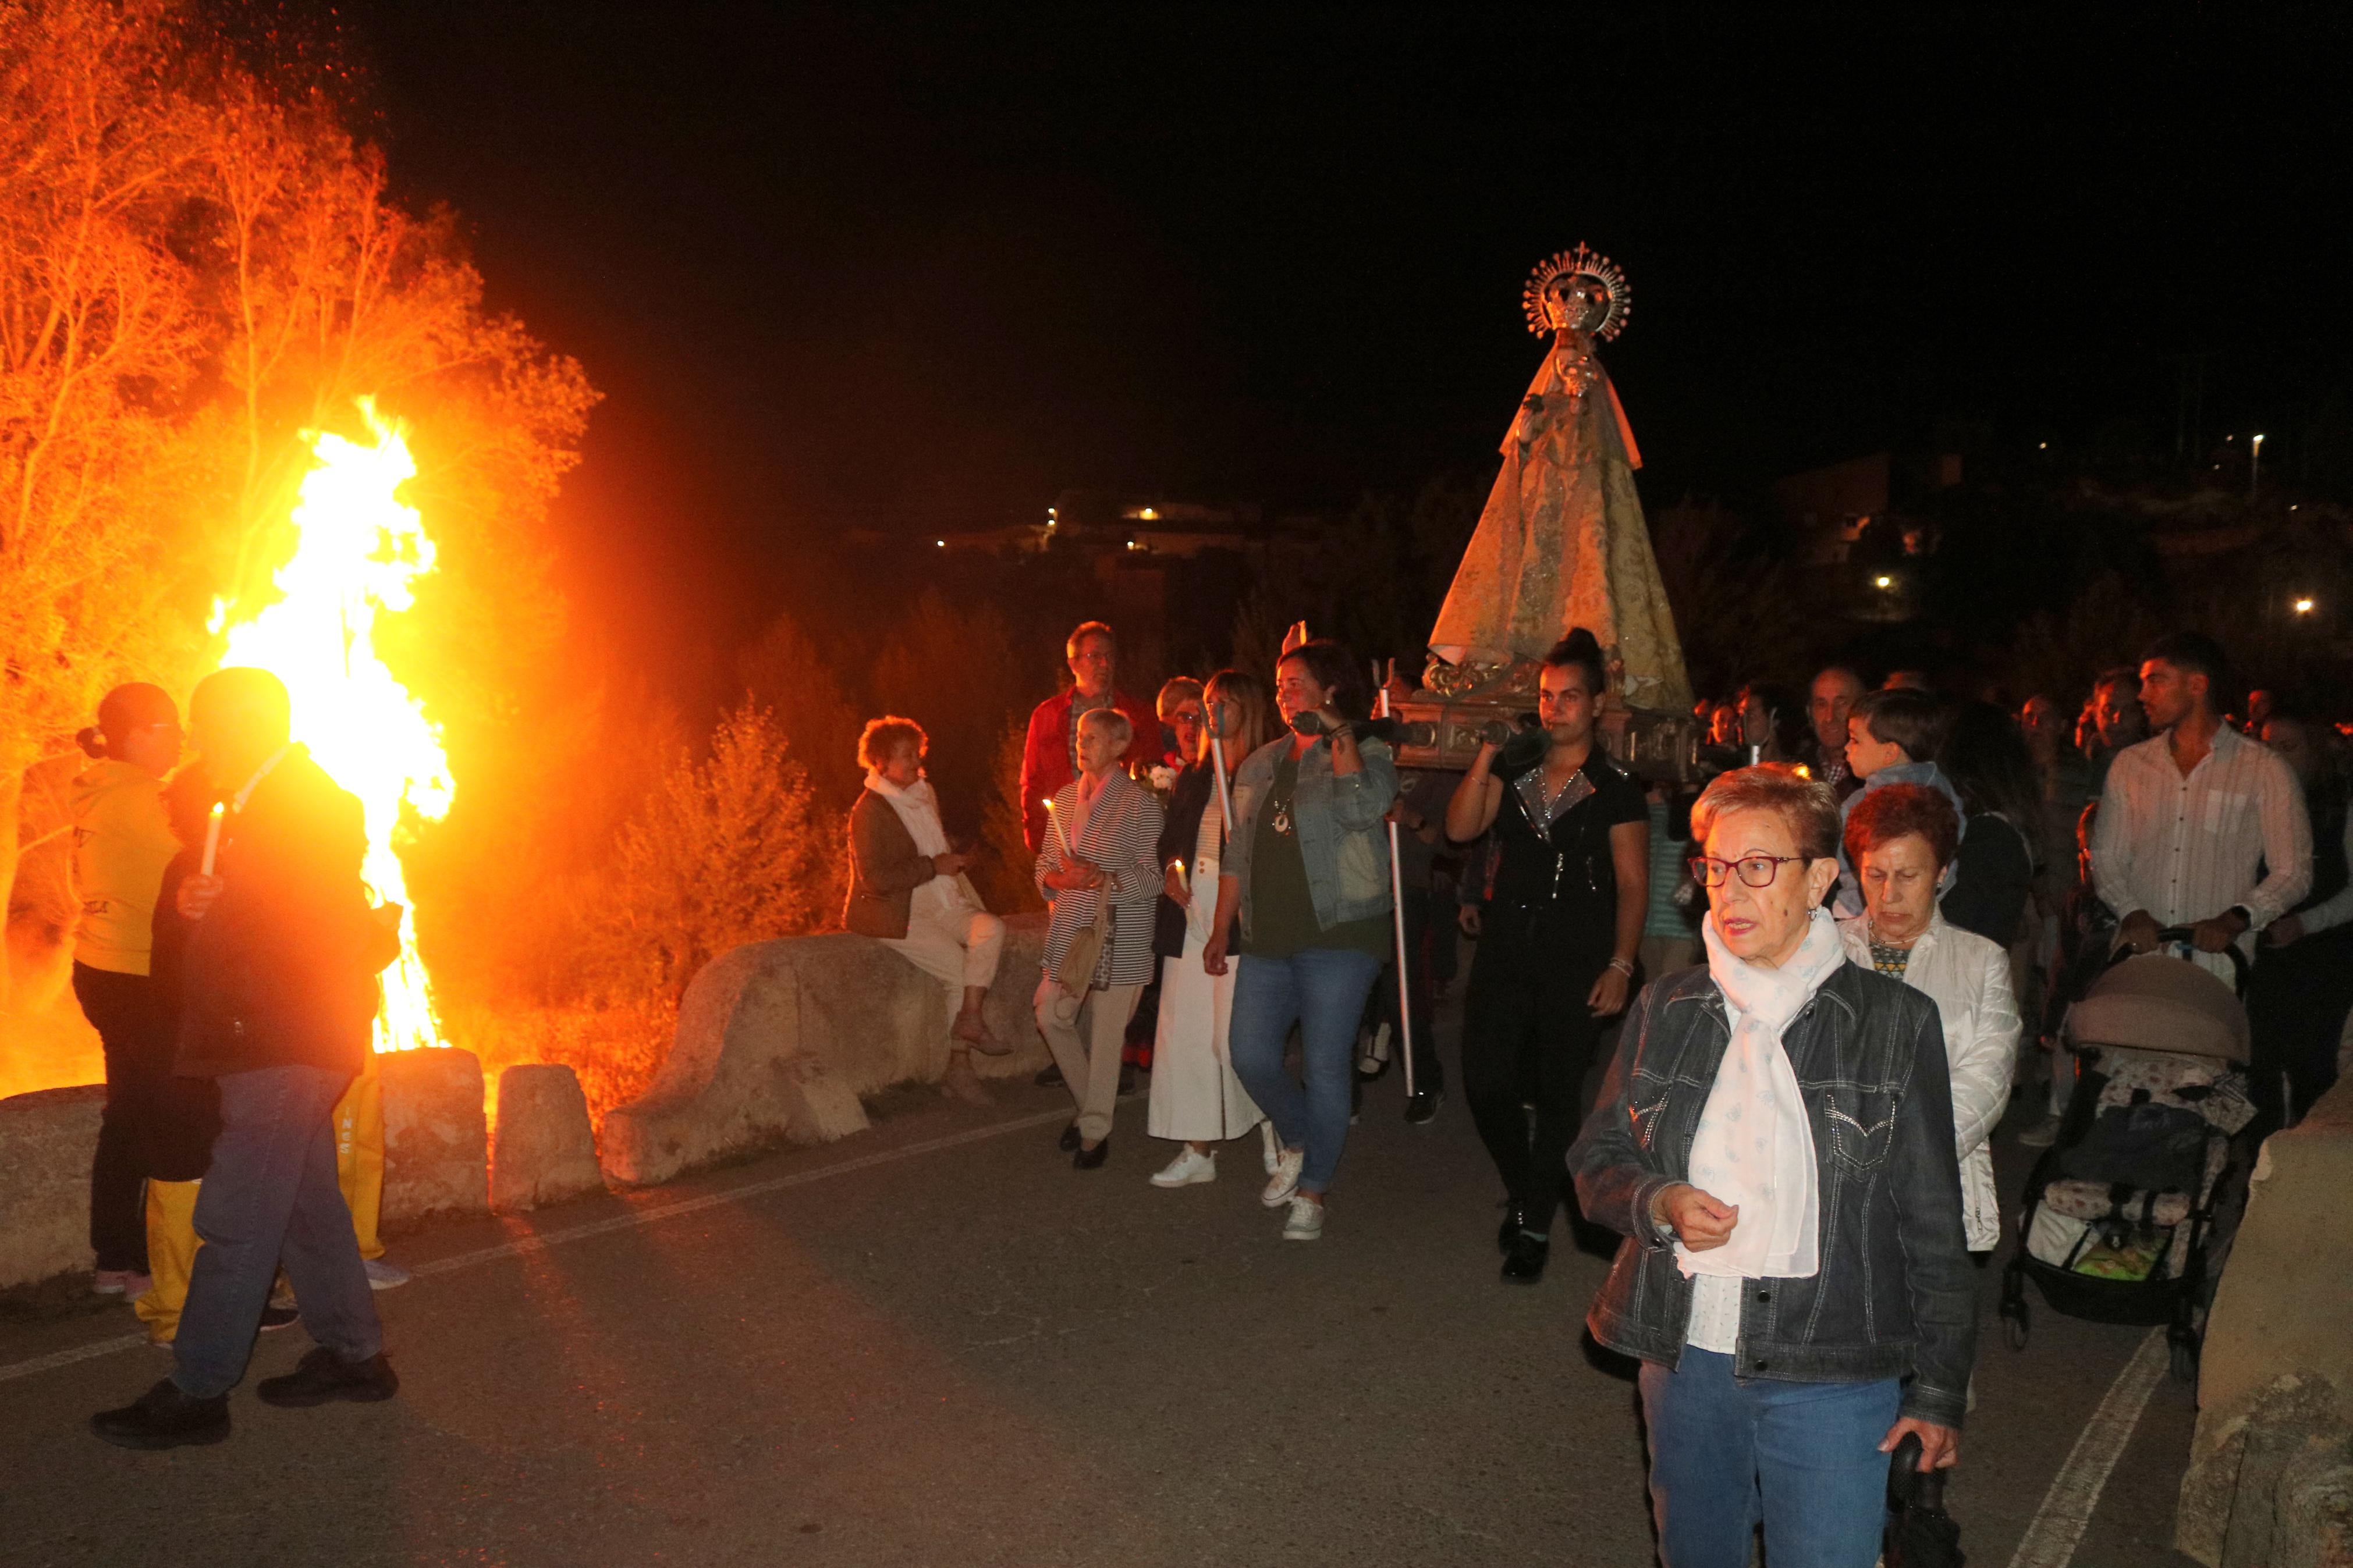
[[359, 552]]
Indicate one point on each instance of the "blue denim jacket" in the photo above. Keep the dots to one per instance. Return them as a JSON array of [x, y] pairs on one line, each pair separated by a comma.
[[1342, 836], [1895, 1294]]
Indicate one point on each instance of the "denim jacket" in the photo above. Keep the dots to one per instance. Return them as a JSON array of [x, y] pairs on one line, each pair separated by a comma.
[[1343, 834], [1895, 1294]]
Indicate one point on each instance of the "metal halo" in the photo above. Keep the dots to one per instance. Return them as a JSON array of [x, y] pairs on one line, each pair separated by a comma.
[[1581, 262]]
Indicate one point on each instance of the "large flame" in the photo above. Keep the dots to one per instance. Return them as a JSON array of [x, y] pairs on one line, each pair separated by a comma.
[[358, 555]]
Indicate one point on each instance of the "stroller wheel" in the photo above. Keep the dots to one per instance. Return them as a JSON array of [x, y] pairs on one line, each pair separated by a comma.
[[2014, 1325], [2183, 1345]]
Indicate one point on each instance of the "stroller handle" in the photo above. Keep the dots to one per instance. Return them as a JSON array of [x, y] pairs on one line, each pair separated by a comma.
[[2187, 933]]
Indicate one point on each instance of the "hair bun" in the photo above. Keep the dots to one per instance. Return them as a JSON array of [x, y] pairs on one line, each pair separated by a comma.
[[90, 741]]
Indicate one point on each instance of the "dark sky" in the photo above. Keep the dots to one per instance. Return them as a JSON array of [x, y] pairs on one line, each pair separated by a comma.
[[919, 269]]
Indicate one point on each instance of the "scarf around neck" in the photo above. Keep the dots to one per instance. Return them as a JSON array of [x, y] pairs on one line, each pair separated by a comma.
[[1754, 1147], [918, 809]]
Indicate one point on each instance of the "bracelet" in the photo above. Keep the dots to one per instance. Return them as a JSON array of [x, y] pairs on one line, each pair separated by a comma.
[[1623, 966]]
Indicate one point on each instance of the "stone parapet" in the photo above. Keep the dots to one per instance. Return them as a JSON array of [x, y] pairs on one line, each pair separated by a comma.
[[437, 1143], [46, 1141], [544, 1152], [778, 1041], [2271, 1467]]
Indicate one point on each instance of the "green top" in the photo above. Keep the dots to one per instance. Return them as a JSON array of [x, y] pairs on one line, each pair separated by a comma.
[[1283, 909]]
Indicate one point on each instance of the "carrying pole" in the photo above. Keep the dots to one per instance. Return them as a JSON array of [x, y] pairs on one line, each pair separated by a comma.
[[1396, 907]]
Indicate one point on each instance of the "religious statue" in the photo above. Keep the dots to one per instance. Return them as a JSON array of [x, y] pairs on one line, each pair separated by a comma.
[[1562, 542]]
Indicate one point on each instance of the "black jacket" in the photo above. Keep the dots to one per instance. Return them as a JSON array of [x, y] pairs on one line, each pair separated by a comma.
[[1189, 802], [1895, 1294], [281, 969]]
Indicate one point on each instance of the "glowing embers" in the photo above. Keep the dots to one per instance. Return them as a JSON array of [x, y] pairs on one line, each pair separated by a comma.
[[359, 550]]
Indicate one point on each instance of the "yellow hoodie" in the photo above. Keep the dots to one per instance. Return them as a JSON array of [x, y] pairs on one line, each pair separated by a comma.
[[122, 841]]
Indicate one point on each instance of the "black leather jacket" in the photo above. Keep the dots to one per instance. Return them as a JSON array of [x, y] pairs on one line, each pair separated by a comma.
[[1895, 1294]]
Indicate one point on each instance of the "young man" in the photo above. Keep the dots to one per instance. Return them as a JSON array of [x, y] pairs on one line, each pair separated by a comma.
[[1891, 739], [277, 996], [2198, 825], [1558, 940]]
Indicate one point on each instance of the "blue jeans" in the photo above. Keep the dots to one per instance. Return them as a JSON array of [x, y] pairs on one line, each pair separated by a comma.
[[1322, 989], [1805, 1455], [270, 1197]]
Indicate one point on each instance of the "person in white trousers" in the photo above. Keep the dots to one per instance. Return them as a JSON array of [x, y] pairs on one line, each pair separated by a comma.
[[908, 890], [1195, 1098]]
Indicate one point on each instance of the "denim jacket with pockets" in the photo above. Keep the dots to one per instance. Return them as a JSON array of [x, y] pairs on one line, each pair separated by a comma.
[[1895, 1295], [1341, 823]]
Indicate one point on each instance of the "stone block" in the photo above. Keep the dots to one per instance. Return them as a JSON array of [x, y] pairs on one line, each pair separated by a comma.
[[46, 1139], [2275, 1375], [778, 1041], [436, 1142], [544, 1152]]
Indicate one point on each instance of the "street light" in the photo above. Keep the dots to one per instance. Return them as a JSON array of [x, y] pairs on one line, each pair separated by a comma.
[[1882, 582], [2255, 466], [2303, 606]]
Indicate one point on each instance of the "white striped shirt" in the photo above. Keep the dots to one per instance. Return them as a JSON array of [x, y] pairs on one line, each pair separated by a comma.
[[2233, 832]]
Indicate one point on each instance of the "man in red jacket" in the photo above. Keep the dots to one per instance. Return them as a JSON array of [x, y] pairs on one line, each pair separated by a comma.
[[1048, 759]]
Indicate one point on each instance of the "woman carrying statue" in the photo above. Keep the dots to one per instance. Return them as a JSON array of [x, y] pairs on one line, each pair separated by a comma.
[[1195, 1095], [908, 889], [1308, 874]]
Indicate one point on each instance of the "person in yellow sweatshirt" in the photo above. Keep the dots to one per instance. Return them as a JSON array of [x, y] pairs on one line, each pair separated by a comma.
[[123, 840]]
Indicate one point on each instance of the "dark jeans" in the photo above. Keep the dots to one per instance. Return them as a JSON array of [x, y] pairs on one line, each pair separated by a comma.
[[1802, 1456], [270, 1198], [137, 1038], [1322, 990], [1528, 1037], [2296, 1002], [1428, 1076]]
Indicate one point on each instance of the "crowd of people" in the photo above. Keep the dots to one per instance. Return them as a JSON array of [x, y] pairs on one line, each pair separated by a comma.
[[1763, 1027]]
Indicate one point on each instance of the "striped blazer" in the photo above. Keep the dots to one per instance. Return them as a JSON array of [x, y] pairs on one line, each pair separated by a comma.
[[1122, 835]]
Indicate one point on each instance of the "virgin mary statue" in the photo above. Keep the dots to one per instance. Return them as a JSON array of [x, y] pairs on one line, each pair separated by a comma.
[[1562, 542]]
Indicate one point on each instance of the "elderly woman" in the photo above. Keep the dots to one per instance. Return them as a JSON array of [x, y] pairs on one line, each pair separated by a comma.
[[1308, 874], [908, 889], [1776, 1142], [1900, 840], [1179, 706], [1195, 1095], [1100, 871]]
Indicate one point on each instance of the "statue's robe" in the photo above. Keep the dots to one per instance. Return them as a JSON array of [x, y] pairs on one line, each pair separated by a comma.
[[1563, 543]]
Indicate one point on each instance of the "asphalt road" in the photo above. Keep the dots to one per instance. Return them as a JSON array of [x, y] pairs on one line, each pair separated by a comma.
[[937, 1344]]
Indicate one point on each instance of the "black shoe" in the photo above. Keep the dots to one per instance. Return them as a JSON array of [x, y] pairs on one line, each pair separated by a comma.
[[1515, 1221], [278, 1318], [1069, 1139], [324, 1375], [1524, 1264], [1126, 1079], [1421, 1106], [1093, 1158], [164, 1417], [1049, 1077]]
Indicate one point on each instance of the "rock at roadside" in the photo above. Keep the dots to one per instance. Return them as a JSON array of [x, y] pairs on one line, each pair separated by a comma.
[[45, 1138], [436, 1139], [546, 1152]]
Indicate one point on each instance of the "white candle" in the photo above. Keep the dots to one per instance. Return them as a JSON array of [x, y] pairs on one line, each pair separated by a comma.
[[1060, 837], [212, 836]]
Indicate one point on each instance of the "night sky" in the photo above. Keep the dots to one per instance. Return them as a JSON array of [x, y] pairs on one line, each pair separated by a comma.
[[921, 270]]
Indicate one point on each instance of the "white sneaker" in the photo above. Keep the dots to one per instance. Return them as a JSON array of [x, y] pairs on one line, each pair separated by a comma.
[[1190, 1168], [383, 1275], [1273, 1150], [1306, 1221], [2041, 1135], [1285, 1180]]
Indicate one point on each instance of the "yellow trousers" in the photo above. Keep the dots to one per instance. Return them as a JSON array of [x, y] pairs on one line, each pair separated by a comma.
[[172, 1239], [172, 1242], [359, 1155]]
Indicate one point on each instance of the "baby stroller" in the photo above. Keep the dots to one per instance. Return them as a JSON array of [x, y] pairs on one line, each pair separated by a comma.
[[2118, 1220]]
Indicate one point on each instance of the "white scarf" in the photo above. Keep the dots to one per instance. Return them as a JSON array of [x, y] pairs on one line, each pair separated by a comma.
[[918, 809], [1754, 1147]]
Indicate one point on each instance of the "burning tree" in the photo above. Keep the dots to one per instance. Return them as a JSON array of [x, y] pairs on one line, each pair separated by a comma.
[[201, 274]]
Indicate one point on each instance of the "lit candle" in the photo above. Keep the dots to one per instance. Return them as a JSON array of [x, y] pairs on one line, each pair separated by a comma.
[[1180, 870], [212, 836], [1059, 837]]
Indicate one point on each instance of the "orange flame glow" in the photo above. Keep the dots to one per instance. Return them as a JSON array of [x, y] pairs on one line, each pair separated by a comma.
[[358, 555]]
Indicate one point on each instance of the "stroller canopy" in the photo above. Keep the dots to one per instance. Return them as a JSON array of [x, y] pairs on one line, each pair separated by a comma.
[[2153, 1002]]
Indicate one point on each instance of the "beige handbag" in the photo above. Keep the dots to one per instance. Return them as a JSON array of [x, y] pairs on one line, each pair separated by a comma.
[[1076, 972]]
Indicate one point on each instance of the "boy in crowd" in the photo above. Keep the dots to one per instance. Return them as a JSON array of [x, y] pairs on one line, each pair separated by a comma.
[[1890, 738]]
